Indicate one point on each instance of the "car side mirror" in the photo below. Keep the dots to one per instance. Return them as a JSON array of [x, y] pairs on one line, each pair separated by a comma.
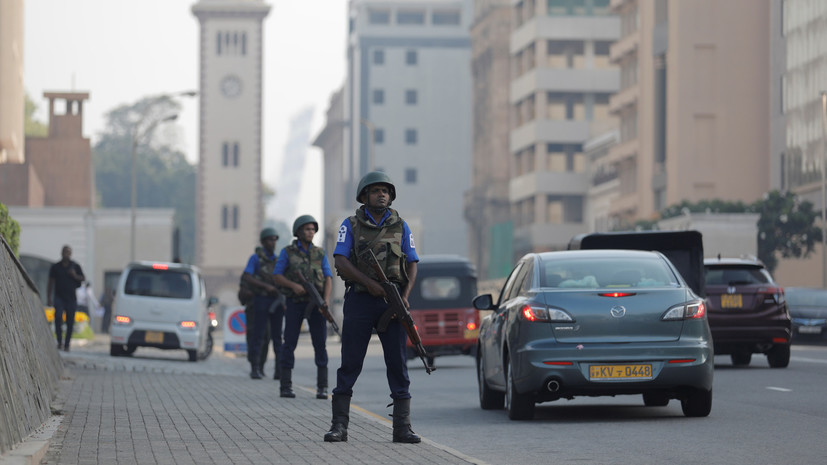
[[212, 301], [483, 302]]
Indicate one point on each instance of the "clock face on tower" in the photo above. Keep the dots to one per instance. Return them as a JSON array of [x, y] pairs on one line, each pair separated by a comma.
[[231, 86]]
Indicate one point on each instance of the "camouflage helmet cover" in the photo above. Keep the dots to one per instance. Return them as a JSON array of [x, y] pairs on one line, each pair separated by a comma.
[[375, 177]]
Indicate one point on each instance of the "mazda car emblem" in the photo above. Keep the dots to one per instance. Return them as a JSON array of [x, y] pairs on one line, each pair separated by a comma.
[[618, 311]]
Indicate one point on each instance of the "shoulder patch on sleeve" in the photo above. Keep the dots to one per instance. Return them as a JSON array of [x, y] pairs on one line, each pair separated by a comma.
[[342, 234], [410, 239]]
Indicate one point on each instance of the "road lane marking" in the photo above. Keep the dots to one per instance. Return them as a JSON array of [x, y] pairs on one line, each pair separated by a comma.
[[805, 359], [780, 389]]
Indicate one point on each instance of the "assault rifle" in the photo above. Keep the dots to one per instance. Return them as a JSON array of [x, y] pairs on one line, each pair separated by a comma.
[[317, 301], [396, 309]]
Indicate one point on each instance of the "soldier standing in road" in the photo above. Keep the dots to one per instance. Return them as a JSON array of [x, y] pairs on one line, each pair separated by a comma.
[[303, 257], [265, 311], [65, 277], [378, 227]]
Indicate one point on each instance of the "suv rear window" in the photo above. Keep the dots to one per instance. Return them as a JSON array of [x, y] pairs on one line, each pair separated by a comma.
[[736, 275], [159, 283]]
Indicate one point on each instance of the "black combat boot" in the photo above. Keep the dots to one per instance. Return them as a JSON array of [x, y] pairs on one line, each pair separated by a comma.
[[321, 382], [402, 431], [341, 418], [255, 373], [287, 383]]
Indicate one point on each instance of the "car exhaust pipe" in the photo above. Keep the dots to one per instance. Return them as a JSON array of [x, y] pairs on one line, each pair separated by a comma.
[[553, 385]]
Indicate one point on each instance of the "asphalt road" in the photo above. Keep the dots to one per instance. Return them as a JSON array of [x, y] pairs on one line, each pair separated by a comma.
[[759, 415]]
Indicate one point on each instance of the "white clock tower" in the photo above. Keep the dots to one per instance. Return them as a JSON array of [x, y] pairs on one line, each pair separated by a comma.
[[228, 197]]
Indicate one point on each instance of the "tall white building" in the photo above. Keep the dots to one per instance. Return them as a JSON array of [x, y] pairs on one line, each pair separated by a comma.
[[229, 195], [408, 104]]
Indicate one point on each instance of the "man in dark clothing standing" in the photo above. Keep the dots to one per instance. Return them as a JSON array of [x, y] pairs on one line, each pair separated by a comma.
[[65, 277]]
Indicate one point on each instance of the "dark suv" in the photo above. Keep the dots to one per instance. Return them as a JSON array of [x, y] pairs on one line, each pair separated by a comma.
[[747, 311]]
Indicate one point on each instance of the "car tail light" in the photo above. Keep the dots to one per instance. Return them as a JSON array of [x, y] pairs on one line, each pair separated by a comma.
[[780, 340], [682, 360], [471, 326], [690, 310], [539, 313], [123, 320], [160, 266], [552, 362], [616, 294], [188, 324], [772, 294]]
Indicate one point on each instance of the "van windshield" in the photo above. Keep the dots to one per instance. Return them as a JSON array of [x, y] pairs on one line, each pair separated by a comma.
[[440, 291], [159, 283]]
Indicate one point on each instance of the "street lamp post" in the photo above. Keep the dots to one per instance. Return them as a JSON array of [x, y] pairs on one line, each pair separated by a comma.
[[823, 190], [137, 136]]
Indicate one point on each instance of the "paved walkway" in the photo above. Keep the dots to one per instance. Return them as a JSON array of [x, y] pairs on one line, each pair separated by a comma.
[[117, 415]]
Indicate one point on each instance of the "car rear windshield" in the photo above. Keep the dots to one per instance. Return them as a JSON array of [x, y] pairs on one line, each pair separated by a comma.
[[611, 272], [807, 298], [736, 275], [171, 284]]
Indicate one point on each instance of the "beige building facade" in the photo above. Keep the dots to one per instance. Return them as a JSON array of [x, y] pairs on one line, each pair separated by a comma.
[[561, 82], [229, 206], [12, 93], [693, 106], [486, 205]]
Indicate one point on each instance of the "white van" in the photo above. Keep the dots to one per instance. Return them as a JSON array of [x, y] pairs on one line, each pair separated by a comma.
[[163, 305]]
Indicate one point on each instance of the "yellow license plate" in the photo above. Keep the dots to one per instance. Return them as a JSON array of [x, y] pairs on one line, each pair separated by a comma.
[[731, 301], [642, 371], [472, 333], [155, 337]]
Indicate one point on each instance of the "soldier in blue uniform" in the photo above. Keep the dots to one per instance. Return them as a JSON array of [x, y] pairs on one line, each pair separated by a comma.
[[303, 257], [265, 312], [378, 227]]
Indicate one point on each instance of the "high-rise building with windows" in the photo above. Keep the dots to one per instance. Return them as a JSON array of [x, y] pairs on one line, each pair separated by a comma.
[[693, 104], [562, 79], [407, 99]]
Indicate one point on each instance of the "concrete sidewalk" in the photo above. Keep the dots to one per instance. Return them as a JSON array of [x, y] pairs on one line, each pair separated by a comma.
[[118, 416]]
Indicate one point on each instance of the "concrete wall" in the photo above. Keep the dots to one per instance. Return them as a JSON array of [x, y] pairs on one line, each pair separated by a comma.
[[30, 366]]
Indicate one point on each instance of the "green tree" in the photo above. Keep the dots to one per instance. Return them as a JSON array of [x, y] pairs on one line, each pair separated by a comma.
[[32, 127], [9, 229], [164, 177], [786, 227]]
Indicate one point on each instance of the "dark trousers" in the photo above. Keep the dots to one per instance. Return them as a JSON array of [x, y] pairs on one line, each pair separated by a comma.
[[261, 319], [361, 313], [293, 317], [68, 306], [263, 343]]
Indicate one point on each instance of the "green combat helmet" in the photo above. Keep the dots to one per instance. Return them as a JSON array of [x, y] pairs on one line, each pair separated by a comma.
[[303, 220], [375, 177], [268, 232]]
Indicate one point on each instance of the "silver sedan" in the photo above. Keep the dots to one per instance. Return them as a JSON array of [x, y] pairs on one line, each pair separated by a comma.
[[594, 323]]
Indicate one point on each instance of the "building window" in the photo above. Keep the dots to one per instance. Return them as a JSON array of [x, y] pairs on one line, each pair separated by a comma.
[[235, 154], [244, 43], [378, 136], [218, 44], [579, 8], [411, 57], [410, 97], [445, 18], [410, 136], [379, 16], [378, 57], [410, 175], [235, 216], [378, 96], [410, 17], [225, 217], [230, 216], [225, 154]]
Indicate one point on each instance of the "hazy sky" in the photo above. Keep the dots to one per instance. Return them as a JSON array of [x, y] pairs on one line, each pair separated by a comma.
[[122, 50]]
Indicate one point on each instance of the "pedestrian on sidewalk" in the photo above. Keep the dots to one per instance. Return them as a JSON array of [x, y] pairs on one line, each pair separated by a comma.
[[302, 258], [378, 227], [265, 312], [65, 277]]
